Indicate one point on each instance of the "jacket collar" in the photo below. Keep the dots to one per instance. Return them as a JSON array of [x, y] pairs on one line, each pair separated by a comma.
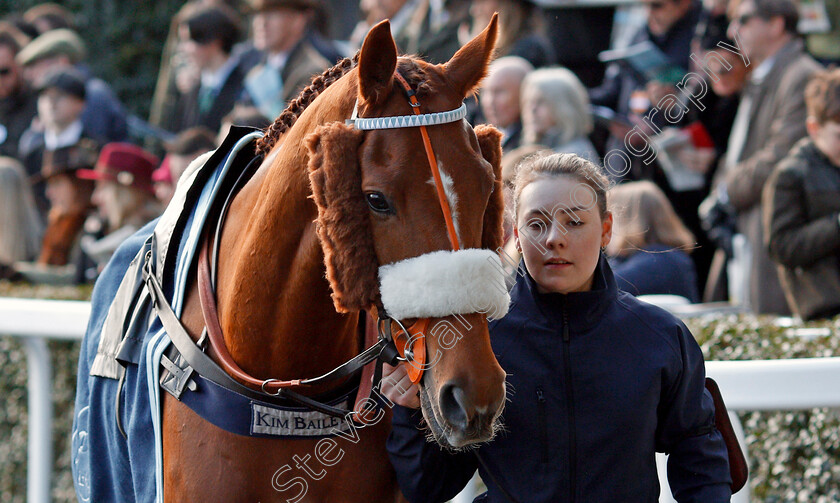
[[584, 310]]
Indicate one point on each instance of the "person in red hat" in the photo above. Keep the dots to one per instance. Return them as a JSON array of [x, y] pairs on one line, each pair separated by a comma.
[[124, 197]]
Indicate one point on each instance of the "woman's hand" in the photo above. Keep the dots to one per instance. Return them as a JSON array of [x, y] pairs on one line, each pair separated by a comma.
[[397, 387]]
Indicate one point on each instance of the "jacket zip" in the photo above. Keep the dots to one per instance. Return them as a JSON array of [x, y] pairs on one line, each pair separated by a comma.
[[570, 402], [543, 425]]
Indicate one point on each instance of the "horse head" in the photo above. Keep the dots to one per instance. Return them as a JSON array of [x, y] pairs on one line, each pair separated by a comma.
[[389, 246]]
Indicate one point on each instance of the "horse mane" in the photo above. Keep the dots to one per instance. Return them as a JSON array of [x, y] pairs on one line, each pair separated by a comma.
[[409, 69], [296, 107]]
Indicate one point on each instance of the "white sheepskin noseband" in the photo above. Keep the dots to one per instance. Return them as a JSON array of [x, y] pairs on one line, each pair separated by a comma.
[[444, 283]]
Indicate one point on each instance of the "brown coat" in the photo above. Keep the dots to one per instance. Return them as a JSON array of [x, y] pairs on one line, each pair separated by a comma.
[[61, 237], [777, 122], [801, 210]]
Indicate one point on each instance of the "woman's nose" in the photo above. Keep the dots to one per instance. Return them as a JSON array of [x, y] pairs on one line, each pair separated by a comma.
[[556, 235]]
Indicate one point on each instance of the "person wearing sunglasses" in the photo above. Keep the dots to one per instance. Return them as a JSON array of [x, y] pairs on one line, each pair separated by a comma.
[[769, 121], [17, 100]]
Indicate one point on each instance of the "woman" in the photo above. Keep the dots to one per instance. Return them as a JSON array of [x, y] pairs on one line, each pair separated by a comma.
[[21, 227], [598, 381], [650, 244], [555, 112], [124, 198]]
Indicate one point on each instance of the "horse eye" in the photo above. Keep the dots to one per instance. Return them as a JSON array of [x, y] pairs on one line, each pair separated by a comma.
[[377, 202]]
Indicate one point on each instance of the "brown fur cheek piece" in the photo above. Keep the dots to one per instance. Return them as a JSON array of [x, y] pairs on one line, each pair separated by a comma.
[[343, 223], [490, 142]]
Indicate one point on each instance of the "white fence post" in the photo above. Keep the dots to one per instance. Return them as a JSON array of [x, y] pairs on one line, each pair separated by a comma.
[[39, 443]]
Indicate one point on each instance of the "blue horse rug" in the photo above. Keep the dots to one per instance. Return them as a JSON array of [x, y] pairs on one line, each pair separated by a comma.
[[116, 444]]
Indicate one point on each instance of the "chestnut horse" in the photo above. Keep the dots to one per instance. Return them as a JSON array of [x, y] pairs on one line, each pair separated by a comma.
[[298, 261]]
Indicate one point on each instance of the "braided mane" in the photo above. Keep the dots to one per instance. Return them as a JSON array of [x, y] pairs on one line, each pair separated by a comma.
[[296, 107]]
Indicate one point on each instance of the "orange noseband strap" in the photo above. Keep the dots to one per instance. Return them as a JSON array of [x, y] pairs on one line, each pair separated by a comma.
[[417, 362]]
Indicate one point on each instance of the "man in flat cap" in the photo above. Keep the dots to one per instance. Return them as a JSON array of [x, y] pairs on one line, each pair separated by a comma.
[[104, 116]]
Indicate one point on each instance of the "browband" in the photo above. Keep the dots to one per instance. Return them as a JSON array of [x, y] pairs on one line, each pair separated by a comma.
[[443, 283], [401, 121]]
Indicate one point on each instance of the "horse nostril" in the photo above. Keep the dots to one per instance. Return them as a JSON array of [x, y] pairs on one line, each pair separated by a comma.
[[454, 406]]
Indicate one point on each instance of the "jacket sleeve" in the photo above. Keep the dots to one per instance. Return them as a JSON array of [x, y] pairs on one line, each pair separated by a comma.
[[698, 466], [792, 239], [745, 181], [425, 472]]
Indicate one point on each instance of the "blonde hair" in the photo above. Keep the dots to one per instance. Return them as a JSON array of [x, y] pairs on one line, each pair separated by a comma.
[[569, 102], [545, 163], [645, 217], [21, 226]]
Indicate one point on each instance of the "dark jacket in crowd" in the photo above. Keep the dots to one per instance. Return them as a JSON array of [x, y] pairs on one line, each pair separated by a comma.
[[657, 269], [597, 381], [802, 229], [104, 116], [187, 110], [16, 113]]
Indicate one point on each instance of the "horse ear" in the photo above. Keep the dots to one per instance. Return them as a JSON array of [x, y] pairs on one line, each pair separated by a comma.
[[490, 142], [377, 62], [343, 223], [469, 65]]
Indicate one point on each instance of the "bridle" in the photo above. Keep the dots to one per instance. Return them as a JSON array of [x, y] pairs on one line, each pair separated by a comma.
[[406, 346]]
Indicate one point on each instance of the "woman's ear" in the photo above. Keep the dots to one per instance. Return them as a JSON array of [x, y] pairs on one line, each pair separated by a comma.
[[606, 229]]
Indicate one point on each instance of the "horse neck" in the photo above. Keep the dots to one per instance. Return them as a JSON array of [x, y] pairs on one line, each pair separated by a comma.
[[274, 300]]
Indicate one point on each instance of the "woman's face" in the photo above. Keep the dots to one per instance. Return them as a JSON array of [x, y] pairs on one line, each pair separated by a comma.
[[560, 232], [108, 200], [61, 193], [537, 113]]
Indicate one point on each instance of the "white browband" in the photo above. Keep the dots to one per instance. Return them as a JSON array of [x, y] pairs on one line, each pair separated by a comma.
[[401, 121], [444, 283]]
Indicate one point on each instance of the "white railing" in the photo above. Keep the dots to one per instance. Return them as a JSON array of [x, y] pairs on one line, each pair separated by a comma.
[[746, 385], [35, 321]]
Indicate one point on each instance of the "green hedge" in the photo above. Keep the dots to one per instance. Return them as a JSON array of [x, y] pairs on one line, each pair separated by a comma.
[[795, 456]]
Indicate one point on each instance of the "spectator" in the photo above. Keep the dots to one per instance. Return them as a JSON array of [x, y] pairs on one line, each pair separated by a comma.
[[717, 116], [556, 112], [104, 116], [61, 100], [650, 245], [49, 16], [670, 27], [124, 199], [424, 27], [802, 207], [69, 199], [207, 36], [589, 364], [21, 227], [521, 29], [242, 115], [770, 119], [179, 154], [17, 100], [500, 97], [282, 29]]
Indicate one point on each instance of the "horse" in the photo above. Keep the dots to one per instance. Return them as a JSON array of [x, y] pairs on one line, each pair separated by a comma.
[[341, 220]]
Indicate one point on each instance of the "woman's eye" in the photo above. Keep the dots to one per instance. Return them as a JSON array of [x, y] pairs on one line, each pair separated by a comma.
[[575, 223], [377, 202]]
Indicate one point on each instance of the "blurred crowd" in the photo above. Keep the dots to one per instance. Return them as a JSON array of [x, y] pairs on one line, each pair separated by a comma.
[[717, 122]]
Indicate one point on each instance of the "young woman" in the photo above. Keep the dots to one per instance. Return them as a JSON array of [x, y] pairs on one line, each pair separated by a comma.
[[598, 381], [650, 245]]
